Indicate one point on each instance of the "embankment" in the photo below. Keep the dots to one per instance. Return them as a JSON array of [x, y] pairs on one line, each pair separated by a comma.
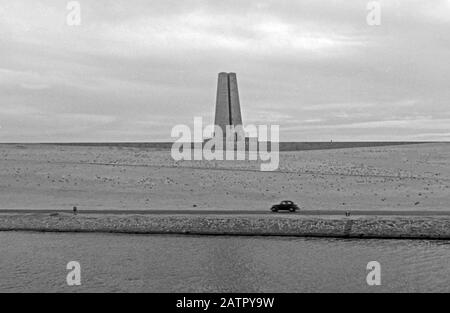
[[416, 227]]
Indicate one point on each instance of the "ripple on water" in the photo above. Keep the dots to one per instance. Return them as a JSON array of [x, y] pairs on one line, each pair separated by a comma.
[[132, 263]]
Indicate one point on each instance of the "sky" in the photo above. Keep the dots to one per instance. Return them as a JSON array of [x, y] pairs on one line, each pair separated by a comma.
[[134, 69]]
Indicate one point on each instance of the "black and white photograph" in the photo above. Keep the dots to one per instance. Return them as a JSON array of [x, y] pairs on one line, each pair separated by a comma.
[[224, 153]]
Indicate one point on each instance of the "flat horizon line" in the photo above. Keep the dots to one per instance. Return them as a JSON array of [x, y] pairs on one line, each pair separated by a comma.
[[171, 142]]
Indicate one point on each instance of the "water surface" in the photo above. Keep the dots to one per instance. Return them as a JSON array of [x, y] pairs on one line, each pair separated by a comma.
[[36, 262]]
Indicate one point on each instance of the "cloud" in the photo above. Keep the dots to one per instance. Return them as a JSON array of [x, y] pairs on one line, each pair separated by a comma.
[[131, 71]]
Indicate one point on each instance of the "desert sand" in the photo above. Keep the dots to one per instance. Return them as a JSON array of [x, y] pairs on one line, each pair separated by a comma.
[[44, 176]]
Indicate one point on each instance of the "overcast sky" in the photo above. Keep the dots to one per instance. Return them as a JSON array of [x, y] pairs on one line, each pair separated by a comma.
[[134, 69]]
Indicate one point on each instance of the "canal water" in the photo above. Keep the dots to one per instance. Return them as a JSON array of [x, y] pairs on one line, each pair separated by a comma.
[[36, 262]]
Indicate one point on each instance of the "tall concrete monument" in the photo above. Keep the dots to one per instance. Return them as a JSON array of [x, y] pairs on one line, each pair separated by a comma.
[[228, 108]]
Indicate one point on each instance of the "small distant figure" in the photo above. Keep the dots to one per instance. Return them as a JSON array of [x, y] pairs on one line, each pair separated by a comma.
[[347, 213], [75, 210]]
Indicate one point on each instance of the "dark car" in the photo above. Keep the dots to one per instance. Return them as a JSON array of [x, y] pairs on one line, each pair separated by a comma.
[[285, 206]]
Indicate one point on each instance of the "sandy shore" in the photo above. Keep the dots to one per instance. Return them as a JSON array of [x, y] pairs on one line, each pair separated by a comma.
[[407, 177], [254, 225]]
